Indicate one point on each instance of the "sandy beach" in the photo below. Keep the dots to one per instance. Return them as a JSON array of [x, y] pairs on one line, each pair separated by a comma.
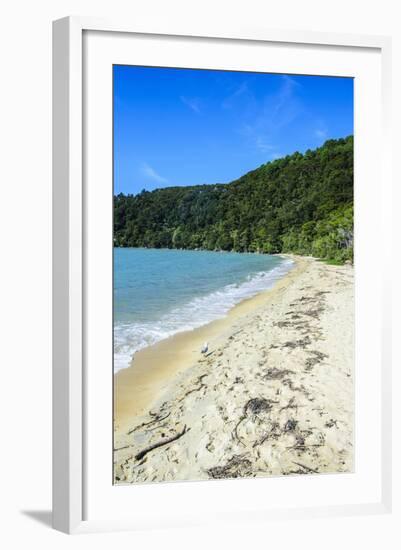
[[272, 396]]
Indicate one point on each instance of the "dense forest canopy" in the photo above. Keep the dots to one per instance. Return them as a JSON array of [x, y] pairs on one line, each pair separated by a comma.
[[302, 203]]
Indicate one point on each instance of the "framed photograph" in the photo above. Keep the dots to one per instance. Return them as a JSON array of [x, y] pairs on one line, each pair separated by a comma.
[[221, 324]]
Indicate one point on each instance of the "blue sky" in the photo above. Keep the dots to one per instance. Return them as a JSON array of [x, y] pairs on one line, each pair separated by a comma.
[[188, 126]]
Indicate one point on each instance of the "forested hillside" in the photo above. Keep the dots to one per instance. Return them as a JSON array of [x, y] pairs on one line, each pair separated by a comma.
[[300, 203]]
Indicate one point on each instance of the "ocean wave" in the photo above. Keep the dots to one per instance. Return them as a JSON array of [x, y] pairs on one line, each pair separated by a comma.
[[131, 337]]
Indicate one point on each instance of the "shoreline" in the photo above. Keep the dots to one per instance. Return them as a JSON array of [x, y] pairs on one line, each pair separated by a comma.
[[273, 395], [137, 386]]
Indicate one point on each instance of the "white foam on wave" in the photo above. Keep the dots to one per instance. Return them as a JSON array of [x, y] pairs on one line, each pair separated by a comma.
[[129, 338]]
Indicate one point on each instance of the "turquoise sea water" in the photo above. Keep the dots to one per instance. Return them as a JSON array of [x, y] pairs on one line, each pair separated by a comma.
[[158, 293]]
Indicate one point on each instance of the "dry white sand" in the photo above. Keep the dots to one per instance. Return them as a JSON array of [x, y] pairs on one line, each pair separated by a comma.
[[273, 396]]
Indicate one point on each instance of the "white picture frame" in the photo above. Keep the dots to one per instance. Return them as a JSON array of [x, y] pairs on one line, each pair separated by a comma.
[[70, 257]]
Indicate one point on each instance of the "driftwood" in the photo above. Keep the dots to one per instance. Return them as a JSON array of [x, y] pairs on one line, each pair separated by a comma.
[[144, 452], [121, 448], [153, 421], [303, 447], [197, 388], [305, 467], [290, 405]]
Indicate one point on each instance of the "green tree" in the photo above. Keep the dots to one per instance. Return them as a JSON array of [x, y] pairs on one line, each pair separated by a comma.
[[300, 203]]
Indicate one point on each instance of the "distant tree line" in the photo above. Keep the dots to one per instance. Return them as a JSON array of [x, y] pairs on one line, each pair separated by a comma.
[[302, 203]]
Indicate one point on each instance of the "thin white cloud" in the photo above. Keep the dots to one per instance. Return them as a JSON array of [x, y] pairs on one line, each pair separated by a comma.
[[151, 174], [228, 102], [320, 130], [274, 112], [321, 133], [263, 145], [192, 102], [285, 95]]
